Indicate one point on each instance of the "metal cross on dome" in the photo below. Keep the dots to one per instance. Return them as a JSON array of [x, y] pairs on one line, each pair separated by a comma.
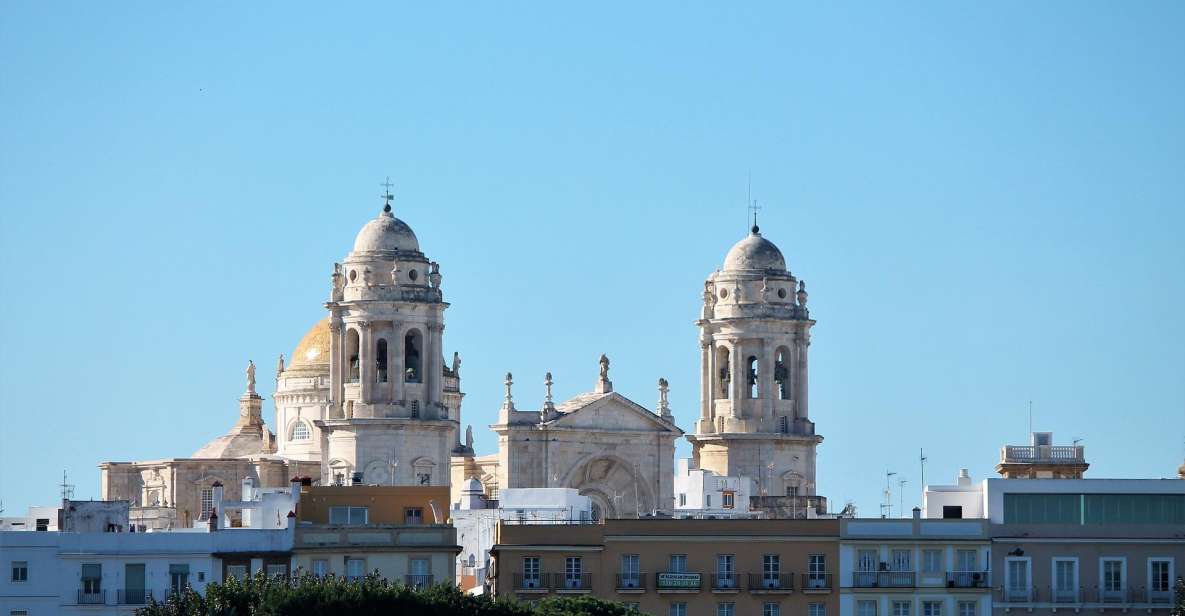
[[753, 209], [387, 196]]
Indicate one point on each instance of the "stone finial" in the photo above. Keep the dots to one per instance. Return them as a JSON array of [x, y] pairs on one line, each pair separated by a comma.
[[604, 385], [366, 277], [395, 274], [802, 293], [508, 403], [434, 275], [337, 281], [664, 405], [280, 366], [548, 403]]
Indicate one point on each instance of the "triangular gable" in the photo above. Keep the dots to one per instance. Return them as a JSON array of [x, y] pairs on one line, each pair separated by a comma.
[[608, 412]]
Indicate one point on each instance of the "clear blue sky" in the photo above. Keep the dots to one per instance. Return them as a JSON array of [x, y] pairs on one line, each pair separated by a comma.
[[987, 202]]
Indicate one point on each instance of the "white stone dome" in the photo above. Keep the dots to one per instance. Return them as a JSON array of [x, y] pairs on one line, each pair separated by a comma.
[[755, 253], [386, 234]]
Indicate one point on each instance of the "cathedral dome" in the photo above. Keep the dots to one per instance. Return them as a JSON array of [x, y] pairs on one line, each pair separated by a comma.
[[755, 253], [386, 234], [313, 349]]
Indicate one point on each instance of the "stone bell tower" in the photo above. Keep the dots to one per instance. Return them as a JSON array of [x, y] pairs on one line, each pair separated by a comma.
[[388, 418], [754, 340]]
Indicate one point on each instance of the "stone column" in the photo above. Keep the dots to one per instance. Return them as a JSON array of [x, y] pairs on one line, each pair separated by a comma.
[[739, 378], [769, 387], [431, 364], [707, 370], [336, 389], [395, 362], [803, 344], [365, 361]]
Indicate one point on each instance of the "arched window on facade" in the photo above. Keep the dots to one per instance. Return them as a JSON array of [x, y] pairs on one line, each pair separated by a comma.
[[723, 374], [352, 353], [380, 360], [411, 356], [300, 432], [782, 373], [751, 377]]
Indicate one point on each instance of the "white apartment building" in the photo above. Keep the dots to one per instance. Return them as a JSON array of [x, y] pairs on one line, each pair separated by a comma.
[[701, 493], [476, 519], [915, 567]]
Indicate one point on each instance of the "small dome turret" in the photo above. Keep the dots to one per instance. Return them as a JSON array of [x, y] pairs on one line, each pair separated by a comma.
[[386, 234], [755, 253]]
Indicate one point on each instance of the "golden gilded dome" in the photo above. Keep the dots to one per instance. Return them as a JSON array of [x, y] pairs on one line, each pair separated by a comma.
[[313, 349]]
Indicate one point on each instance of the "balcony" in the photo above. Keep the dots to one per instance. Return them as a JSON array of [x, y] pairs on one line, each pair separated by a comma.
[[968, 579], [816, 583], [535, 582], [1066, 595], [132, 596], [725, 582], [1017, 595], [1122, 595], [677, 581], [418, 581], [771, 583], [631, 582], [572, 582], [1042, 454], [95, 597], [884, 579], [1159, 597]]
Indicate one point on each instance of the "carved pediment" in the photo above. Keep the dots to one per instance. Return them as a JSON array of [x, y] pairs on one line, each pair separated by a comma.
[[613, 412]]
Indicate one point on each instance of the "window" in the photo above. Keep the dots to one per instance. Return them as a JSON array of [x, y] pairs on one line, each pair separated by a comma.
[[573, 572], [42, 524], [355, 568], [424, 479], [791, 490], [1160, 580], [708, 501], [1017, 581], [19, 613], [630, 571], [632, 606], [239, 572], [816, 571], [932, 561], [725, 568], [1112, 572], [300, 431], [678, 563], [92, 579], [178, 577], [20, 571], [348, 516], [865, 608], [866, 566], [421, 571], [966, 561], [682, 499], [1065, 580], [411, 357], [207, 500], [931, 608], [678, 608], [817, 609], [276, 570], [726, 609], [771, 609], [352, 353], [472, 561], [966, 608], [771, 570], [902, 608], [1094, 508], [380, 360], [754, 390], [530, 572], [952, 512], [784, 424], [729, 500], [413, 515], [901, 560]]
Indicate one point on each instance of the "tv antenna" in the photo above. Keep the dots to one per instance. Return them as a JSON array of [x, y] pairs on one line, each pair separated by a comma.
[[922, 461], [887, 506], [67, 488], [901, 495]]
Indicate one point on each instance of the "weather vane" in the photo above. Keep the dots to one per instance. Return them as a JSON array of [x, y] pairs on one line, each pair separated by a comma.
[[387, 196]]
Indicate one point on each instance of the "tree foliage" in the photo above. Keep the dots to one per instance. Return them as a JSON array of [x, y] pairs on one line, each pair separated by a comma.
[[308, 595]]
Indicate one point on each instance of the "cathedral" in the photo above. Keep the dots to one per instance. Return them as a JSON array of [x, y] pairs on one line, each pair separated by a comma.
[[367, 397]]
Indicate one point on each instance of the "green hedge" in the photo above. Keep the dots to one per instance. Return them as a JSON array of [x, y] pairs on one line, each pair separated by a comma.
[[373, 595]]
